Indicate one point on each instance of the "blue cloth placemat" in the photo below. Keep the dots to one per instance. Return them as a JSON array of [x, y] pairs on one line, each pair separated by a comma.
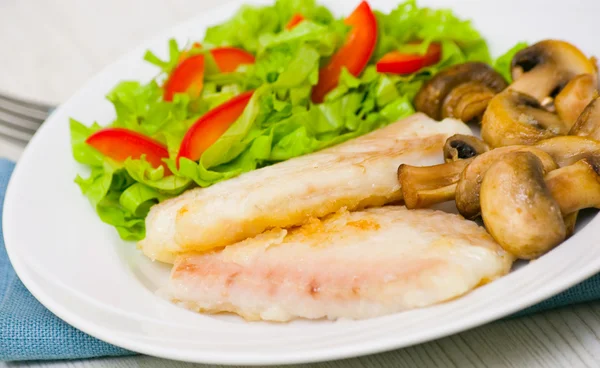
[[28, 331]]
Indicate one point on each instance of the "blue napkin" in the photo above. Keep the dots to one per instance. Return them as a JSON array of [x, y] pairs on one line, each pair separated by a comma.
[[28, 331]]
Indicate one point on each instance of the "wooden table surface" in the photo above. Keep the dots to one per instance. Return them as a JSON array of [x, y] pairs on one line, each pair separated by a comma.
[[50, 48]]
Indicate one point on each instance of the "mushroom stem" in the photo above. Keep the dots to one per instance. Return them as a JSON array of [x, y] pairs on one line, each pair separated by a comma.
[[425, 186], [577, 186], [537, 83], [566, 150], [517, 208]]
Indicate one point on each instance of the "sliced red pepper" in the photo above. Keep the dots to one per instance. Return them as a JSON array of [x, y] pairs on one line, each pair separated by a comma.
[[296, 19], [229, 58], [355, 53], [121, 144], [188, 77], [402, 63], [211, 126]]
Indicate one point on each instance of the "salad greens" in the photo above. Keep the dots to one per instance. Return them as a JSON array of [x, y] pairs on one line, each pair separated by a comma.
[[280, 121]]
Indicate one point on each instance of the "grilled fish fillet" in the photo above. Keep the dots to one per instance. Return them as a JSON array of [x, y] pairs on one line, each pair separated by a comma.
[[356, 174], [351, 265]]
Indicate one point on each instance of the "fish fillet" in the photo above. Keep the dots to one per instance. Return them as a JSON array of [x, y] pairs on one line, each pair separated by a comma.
[[356, 174], [351, 265]]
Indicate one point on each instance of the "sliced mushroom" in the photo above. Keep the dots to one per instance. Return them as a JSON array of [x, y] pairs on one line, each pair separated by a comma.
[[577, 186], [467, 102], [516, 118], [469, 185], [543, 69], [461, 91], [588, 123], [425, 186], [568, 149], [517, 207], [460, 147], [574, 98]]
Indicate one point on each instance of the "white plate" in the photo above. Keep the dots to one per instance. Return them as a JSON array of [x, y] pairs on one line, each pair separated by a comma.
[[80, 270]]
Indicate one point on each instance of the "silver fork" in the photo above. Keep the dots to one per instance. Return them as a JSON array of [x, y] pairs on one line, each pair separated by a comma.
[[20, 119]]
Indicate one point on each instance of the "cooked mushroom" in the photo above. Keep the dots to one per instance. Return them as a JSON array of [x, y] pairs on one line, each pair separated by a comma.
[[577, 186], [517, 207], [568, 149], [461, 91], [467, 102], [426, 186], [574, 98], [543, 69], [460, 147], [516, 118], [588, 123], [469, 185]]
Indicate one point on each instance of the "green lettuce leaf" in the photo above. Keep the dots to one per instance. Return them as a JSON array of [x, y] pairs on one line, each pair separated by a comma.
[[325, 39], [168, 65], [142, 172], [409, 22], [82, 152], [250, 23]]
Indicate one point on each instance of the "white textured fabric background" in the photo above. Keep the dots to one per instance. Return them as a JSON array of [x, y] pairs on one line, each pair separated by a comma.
[[50, 48]]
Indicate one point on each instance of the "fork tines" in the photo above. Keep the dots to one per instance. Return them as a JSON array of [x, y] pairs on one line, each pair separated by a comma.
[[19, 119]]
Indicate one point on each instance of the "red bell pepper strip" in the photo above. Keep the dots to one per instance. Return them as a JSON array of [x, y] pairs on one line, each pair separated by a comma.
[[296, 19], [121, 144], [355, 53], [211, 126], [229, 58], [188, 77], [402, 63]]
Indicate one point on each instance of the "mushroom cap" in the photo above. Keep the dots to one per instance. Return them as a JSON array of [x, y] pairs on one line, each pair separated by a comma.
[[544, 68], [461, 147], [516, 118], [588, 123], [577, 186], [568, 149], [517, 208], [574, 98], [431, 97], [468, 188]]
